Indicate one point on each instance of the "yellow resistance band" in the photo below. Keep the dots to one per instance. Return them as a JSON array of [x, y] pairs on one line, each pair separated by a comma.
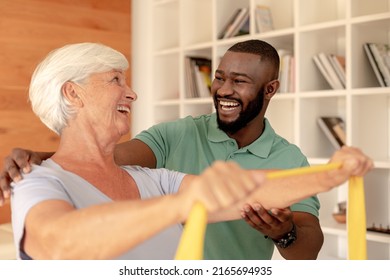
[[192, 240]]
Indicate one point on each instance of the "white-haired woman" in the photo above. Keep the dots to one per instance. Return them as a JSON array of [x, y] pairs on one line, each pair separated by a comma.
[[80, 205]]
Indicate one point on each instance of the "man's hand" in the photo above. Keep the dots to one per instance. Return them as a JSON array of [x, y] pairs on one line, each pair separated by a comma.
[[19, 160], [274, 223]]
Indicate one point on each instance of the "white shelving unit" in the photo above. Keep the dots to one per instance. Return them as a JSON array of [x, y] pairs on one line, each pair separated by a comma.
[[165, 31]]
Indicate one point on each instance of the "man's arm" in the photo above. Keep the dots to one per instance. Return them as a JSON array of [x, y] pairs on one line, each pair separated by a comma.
[[278, 193], [309, 238], [275, 224], [133, 152]]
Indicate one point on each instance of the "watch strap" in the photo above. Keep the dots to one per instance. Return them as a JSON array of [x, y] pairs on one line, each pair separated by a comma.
[[287, 240]]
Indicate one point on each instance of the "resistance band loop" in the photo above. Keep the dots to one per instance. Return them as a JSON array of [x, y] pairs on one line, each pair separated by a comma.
[[192, 240]]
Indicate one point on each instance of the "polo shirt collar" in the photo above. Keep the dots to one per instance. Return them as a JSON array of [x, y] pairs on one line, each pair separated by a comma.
[[261, 147]]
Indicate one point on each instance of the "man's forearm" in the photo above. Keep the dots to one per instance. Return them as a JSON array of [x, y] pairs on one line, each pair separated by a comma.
[[309, 239]]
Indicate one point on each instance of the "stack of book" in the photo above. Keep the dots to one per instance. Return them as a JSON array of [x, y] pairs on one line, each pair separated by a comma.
[[379, 56], [238, 24], [198, 76], [286, 71], [332, 68]]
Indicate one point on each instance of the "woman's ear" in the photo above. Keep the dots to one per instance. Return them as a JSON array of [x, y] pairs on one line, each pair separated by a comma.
[[271, 88], [69, 91]]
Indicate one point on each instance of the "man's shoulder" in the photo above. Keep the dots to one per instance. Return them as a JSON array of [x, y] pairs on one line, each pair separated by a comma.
[[291, 153], [195, 119], [186, 123], [284, 143]]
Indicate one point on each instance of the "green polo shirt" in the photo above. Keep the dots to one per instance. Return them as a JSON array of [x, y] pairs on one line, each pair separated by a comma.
[[191, 144]]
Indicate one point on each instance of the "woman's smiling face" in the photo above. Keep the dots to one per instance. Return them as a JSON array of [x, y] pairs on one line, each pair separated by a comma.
[[107, 101]]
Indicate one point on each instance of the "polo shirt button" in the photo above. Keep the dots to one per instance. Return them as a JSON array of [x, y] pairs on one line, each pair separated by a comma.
[[231, 143]]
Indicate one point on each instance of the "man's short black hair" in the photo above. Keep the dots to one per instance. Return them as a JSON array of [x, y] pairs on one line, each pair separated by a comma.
[[266, 51]]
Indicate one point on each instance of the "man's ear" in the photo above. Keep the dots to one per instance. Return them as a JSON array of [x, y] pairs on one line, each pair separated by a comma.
[[69, 91], [271, 88]]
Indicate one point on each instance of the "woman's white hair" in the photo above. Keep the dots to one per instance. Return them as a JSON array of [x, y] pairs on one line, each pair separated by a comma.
[[74, 62]]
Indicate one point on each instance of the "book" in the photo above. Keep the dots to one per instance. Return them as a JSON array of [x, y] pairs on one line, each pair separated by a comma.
[[241, 21], [198, 76], [323, 63], [233, 25], [322, 70], [326, 61], [379, 52], [285, 70], [338, 63], [244, 30], [189, 80], [228, 24], [263, 18], [334, 129], [374, 64]]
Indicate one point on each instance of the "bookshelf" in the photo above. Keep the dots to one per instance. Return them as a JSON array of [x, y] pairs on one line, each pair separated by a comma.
[[166, 31]]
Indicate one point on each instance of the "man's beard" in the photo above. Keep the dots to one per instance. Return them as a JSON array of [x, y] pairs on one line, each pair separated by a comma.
[[245, 116]]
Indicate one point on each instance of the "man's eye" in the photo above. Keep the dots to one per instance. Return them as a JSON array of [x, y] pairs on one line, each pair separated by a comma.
[[239, 81]]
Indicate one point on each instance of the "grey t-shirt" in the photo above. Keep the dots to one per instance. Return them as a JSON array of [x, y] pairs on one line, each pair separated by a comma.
[[50, 181]]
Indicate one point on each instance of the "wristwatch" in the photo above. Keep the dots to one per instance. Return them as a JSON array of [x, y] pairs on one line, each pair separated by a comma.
[[287, 240]]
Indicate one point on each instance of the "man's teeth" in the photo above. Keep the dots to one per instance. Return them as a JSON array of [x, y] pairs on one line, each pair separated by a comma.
[[228, 105], [123, 109]]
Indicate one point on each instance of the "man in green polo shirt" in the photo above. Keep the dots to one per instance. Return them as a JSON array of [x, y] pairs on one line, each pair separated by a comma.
[[244, 83]]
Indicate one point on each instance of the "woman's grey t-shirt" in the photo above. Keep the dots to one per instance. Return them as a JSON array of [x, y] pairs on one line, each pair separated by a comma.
[[49, 181]]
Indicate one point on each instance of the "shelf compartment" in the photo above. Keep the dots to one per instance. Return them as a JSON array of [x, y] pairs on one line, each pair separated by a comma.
[[166, 25], [370, 125], [196, 21], [364, 7], [166, 87], [377, 195], [282, 123], [326, 40], [362, 73], [225, 9], [282, 12], [202, 53], [312, 139], [321, 11]]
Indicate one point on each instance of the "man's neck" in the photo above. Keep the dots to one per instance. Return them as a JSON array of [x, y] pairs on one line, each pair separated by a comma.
[[248, 134]]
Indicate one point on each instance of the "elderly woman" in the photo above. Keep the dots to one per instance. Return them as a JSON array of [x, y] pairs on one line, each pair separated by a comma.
[[80, 205]]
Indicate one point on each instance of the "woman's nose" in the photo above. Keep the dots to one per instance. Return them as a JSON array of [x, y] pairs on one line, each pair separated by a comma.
[[130, 94]]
